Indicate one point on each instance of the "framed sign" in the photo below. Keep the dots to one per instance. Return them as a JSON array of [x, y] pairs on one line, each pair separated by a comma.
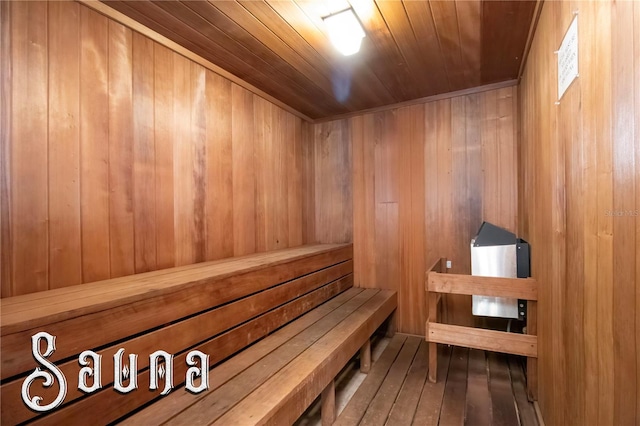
[[568, 58]]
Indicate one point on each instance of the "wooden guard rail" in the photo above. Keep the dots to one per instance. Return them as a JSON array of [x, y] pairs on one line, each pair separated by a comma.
[[439, 282]]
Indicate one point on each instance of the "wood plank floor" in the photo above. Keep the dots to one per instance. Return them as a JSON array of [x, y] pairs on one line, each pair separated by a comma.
[[474, 388]]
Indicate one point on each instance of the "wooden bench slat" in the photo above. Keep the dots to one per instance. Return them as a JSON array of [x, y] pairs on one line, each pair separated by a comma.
[[219, 401], [286, 395], [175, 337], [224, 266], [107, 405], [300, 296], [32, 310], [357, 406], [92, 330], [178, 400]]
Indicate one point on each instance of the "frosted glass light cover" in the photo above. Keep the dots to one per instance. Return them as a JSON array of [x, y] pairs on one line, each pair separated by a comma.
[[345, 32]]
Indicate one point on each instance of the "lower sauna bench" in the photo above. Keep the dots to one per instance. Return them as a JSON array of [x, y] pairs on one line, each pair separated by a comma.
[[276, 327]]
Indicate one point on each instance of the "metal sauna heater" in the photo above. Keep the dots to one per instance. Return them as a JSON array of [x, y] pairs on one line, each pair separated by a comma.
[[496, 252]]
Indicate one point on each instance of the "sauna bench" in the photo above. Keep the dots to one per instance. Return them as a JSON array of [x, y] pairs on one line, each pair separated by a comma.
[[277, 327]]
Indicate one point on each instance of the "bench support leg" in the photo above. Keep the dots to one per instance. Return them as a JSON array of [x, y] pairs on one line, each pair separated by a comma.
[[365, 357], [433, 347], [532, 363], [328, 409], [391, 325]]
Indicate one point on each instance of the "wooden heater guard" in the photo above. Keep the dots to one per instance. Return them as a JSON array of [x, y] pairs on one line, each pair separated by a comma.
[[438, 282]]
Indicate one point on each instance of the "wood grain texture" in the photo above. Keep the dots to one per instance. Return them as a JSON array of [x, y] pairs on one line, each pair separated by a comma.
[[478, 338], [65, 263], [579, 206], [120, 151], [5, 155], [517, 288], [302, 380], [423, 179], [135, 157], [27, 256], [241, 363], [94, 147], [453, 403], [428, 410], [298, 279], [478, 406], [354, 411], [333, 182], [412, 49]]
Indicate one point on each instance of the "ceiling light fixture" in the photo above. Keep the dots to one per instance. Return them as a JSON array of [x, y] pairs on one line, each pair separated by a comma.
[[345, 31]]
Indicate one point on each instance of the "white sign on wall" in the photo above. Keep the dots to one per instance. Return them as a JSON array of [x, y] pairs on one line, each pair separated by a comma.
[[568, 58]]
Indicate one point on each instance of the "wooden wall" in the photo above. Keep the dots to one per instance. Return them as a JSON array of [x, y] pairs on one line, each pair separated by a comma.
[[120, 156], [424, 178], [579, 187]]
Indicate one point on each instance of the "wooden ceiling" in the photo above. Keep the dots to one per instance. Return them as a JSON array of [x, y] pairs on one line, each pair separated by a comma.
[[413, 49]]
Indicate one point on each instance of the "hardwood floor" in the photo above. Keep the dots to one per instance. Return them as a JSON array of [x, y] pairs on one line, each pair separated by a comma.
[[474, 388]]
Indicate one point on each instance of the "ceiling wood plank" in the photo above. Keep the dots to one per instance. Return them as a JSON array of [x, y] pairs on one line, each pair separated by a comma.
[[354, 68], [503, 44], [413, 49], [200, 45], [421, 20], [261, 41], [397, 20], [381, 52], [365, 90], [470, 33], [208, 20], [445, 18]]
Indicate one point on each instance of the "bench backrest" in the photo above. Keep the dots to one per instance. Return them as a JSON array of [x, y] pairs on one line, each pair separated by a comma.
[[216, 307]]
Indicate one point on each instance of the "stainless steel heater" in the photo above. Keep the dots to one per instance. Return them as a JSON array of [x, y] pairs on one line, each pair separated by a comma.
[[496, 252]]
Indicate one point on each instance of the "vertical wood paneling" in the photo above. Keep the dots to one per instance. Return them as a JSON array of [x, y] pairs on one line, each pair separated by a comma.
[[625, 178], [294, 172], [120, 150], [279, 167], [65, 263], [198, 167], [94, 133], [219, 196], [411, 222], [579, 180], [333, 182], [590, 217], [636, 55], [459, 306], [28, 148], [308, 184], [362, 138], [144, 161], [424, 178], [244, 178], [387, 246], [265, 199], [135, 158], [163, 137], [5, 153], [183, 154]]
